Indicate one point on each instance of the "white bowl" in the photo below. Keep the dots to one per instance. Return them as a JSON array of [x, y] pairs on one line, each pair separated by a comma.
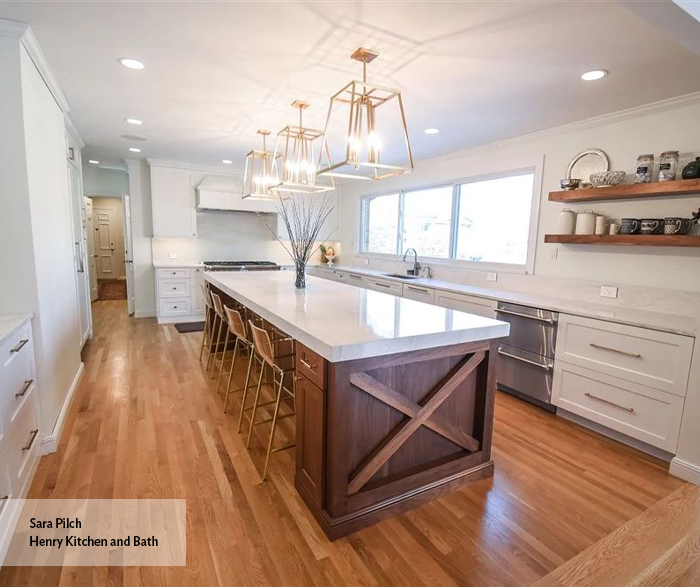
[[606, 178]]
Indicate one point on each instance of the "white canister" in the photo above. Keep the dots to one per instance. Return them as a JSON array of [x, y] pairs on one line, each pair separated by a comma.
[[601, 224], [566, 222], [585, 222]]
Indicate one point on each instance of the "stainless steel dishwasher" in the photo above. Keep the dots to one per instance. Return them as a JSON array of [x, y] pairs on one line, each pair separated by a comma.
[[526, 358]]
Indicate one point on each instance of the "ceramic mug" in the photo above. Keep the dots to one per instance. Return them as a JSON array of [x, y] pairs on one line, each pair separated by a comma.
[[651, 226], [629, 226], [676, 225], [614, 228]]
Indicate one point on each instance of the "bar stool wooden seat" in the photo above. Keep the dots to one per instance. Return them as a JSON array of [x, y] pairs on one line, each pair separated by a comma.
[[208, 317], [265, 351], [235, 317]]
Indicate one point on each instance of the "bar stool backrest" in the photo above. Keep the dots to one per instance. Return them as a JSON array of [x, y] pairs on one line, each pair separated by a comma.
[[263, 346], [235, 323], [218, 306], [206, 295]]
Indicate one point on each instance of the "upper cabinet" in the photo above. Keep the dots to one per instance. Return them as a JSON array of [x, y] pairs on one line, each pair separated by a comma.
[[173, 202]]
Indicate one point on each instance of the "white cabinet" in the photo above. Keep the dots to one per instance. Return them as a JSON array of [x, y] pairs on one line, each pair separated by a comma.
[[173, 202], [383, 285], [356, 279], [418, 292], [179, 294], [466, 303]]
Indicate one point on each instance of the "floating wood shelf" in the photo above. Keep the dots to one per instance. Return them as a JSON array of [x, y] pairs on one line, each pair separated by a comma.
[[684, 187], [640, 240]]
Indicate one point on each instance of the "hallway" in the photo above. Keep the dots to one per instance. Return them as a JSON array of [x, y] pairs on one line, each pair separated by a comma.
[[146, 423]]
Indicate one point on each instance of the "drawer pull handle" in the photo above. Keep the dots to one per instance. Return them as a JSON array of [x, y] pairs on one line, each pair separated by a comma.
[[31, 440], [18, 347], [25, 388], [356, 276], [606, 401], [607, 348], [386, 285], [521, 315], [3, 502], [418, 289], [528, 361], [307, 365]]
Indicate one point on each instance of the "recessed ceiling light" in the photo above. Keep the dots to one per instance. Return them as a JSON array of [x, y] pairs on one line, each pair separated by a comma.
[[431, 131], [134, 150], [133, 138], [594, 74], [94, 161], [227, 161], [135, 121], [131, 63]]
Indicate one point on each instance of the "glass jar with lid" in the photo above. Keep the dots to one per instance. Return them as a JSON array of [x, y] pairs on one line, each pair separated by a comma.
[[668, 164], [645, 168]]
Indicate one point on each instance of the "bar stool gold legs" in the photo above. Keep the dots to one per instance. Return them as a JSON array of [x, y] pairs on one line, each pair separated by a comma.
[[208, 312]]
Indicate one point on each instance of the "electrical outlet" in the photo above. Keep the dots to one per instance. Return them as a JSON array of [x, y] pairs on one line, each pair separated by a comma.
[[608, 291], [491, 276], [554, 253], [173, 255], [365, 261]]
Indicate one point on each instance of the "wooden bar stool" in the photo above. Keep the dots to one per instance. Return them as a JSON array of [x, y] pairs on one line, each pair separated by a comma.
[[208, 312], [235, 326], [221, 316], [264, 350]]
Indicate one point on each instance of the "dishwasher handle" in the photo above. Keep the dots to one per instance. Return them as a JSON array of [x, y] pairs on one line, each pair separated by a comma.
[[528, 361], [521, 315]]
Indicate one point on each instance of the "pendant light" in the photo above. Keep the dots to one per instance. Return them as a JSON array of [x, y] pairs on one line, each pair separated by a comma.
[[366, 136], [294, 163], [259, 176]]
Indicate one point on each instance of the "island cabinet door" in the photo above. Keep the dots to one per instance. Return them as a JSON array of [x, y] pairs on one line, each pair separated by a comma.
[[311, 439]]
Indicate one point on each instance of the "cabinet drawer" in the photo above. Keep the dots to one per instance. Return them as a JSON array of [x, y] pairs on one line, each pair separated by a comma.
[[16, 345], [355, 279], [418, 292], [468, 304], [173, 288], [23, 444], [643, 413], [164, 273], [310, 365], [15, 375], [656, 359], [6, 492], [174, 307], [382, 285]]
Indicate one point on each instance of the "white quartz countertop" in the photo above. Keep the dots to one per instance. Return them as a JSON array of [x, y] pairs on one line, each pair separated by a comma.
[[342, 322], [665, 322], [176, 263], [9, 323]]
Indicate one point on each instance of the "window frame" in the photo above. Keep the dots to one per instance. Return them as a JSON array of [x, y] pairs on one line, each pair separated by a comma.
[[528, 268]]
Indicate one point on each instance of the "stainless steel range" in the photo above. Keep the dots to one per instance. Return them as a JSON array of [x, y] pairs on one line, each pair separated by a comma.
[[241, 266], [525, 364]]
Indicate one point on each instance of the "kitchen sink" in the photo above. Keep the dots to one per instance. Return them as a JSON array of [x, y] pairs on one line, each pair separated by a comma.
[[399, 276]]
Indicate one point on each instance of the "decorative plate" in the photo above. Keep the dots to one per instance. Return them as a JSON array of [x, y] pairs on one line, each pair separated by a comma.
[[587, 162]]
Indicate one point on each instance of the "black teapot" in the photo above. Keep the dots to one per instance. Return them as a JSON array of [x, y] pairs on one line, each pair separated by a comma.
[[692, 170]]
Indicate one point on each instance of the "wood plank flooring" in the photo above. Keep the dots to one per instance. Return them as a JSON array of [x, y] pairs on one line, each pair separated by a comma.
[[146, 423]]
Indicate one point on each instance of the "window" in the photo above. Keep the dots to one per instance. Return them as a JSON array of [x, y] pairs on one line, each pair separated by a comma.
[[485, 221]]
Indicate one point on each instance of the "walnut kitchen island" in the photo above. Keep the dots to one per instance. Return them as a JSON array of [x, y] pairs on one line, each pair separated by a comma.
[[394, 397]]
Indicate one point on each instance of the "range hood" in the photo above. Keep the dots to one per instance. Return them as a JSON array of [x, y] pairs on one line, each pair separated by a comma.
[[223, 193]]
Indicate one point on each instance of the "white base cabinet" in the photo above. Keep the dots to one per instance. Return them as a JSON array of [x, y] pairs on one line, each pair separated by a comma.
[[179, 294], [466, 303]]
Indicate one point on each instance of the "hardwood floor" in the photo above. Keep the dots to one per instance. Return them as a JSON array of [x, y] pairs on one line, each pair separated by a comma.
[[146, 423]]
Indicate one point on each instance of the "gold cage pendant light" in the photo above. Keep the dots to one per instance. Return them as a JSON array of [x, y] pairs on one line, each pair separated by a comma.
[[260, 174], [294, 153], [356, 153]]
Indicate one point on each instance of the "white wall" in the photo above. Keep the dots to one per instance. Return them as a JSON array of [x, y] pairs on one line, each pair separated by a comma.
[[673, 125], [56, 326], [141, 235], [102, 181]]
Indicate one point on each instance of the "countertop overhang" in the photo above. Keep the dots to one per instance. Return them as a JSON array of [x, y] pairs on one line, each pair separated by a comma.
[[341, 322]]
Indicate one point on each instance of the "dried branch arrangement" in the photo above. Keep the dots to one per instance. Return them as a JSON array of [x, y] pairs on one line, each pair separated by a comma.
[[303, 216]]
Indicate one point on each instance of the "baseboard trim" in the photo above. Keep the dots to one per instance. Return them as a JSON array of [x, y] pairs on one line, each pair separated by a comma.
[[138, 314], [685, 470], [49, 443]]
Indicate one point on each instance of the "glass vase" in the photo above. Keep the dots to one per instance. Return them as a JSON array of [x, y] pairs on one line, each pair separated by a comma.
[[300, 282]]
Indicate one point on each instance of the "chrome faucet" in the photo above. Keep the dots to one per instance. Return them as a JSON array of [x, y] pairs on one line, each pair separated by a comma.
[[416, 265]]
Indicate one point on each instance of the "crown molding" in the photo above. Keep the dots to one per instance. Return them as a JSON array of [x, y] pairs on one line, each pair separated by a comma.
[[70, 125], [588, 123], [22, 31], [213, 169]]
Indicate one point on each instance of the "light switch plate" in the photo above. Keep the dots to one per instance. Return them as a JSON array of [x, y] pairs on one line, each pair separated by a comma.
[[608, 291], [365, 261], [173, 255], [491, 276], [554, 253]]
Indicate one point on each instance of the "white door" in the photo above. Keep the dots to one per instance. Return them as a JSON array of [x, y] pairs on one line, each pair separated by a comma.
[[82, 286], [92, 268], [104, 244], [128, 256]]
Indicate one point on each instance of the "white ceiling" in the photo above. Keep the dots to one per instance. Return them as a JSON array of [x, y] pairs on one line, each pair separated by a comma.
[[216, 72]]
